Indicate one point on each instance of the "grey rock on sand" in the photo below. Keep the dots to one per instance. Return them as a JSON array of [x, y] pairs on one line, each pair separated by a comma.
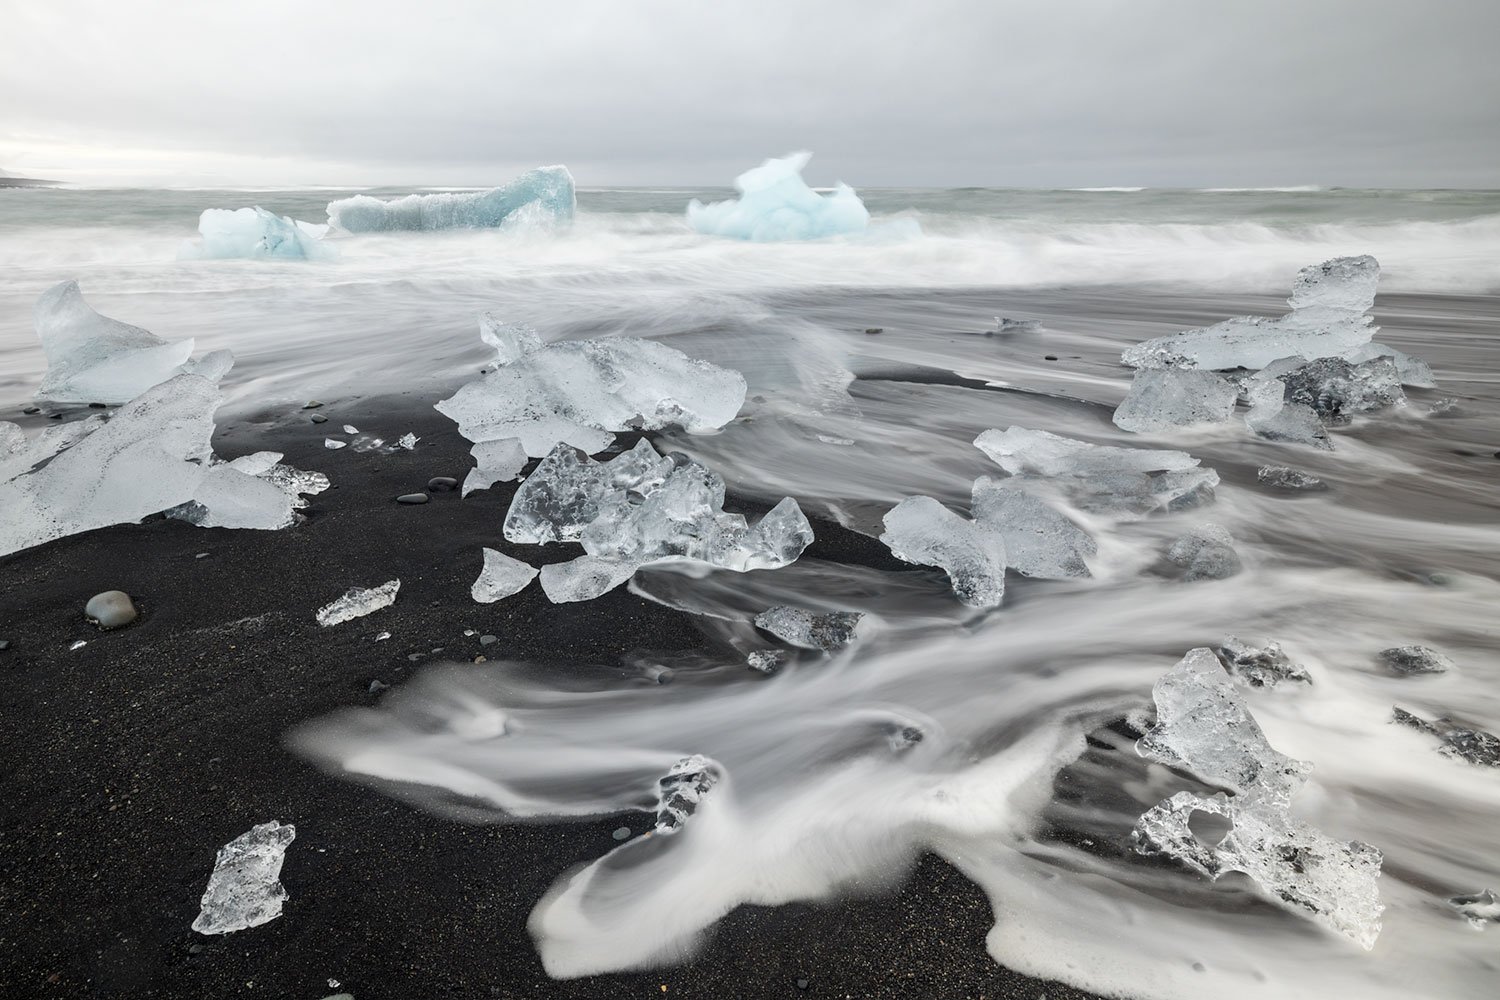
[[110, 609], [412, 498]]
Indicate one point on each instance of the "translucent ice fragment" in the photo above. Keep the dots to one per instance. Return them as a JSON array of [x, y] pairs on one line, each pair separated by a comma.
[[501, 577], [1329, 302], [920, 530], [680, 792], [584, 578], [1206, 552], [1408, 660], [255, 233], [568, 489], [1463, 742], [767, 661], [809, 629], [494, 462], [1335, 388], [245, 889], [1412, 371], [358, 602], [580, 391], [1161, 399], [510, 340], [1039, 541], [1272, 417], [1286, 478], [1260, 666], [95, 359], [544, 194], [776, 204], [1478, 909]]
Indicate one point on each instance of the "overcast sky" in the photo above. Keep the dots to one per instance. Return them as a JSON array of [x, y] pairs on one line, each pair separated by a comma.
[[1049, 93]]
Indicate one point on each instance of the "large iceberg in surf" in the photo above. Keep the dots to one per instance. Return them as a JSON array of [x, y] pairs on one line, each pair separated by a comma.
[[95, 359], [542, 195], [152, 455], [255, 232], [776, 204], [1204, 727], [581, 391]]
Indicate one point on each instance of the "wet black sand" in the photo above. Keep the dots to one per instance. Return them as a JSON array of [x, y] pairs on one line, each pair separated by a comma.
[[128, 762]]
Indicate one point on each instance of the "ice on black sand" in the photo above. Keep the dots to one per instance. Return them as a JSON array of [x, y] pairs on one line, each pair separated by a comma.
[[245, 890], [810, 629], [1260, 666], [501, 577], [680, 792], [358, 602]]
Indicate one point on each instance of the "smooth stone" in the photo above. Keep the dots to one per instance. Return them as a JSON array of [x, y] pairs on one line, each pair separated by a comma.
[[318, 418], [312, 404], [55, 416], [412, 498], [488, 640], [1049, 357], [623, 833], [111, 609], [803, 984], [377, 686], [98, 406], [442, 484], [874, 330]]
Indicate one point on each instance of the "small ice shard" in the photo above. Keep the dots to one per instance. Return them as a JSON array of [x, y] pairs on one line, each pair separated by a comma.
[[95, 359], [809, 629], [680, 792], [1206, 552], [1039, 541], [245, 889], [350, 429], [543, 195], [1412, 371], [767, 661], [1004, 325], [255, 233], [568, 489], [776, 204], [501, 577], [334, 444], [494, 462], [1166, 398], [358, 602], [584, 578], [581, 391], [1334, 388], [1260, 666], [1272, 417], [920, 530], [1329, 302], [407, 442], [1479, 909], [1408, 660], [902, 738], [1203, 727], [1472, 745], [510, 340], [1286, 478]]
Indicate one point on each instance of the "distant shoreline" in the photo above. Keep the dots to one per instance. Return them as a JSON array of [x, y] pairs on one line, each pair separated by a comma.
[[26, 182]]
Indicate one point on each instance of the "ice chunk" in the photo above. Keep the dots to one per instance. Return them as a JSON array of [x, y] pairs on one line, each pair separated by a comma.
[[1408, 660], [809, 629], [580, 391], [1005, 325], [1203, 727], [510, 340], [1206, 552], [95, 359], [1473, 745], [776, 204], [584, 578], [1479, 909], [767, 661], [1039, 541], [1412, 371], [1272, 417], [358, 602], [494, 462], [1328, 320], [1335, 388], [920, 530], [544, 194], [255, 232], [501, 577], [245, 889], [679, 793], [1260, 666], [568, 489], [1160, 399], [408, 442], [1286, 478]]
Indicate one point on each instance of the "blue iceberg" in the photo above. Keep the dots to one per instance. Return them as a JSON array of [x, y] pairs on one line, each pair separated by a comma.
[[776, 204], [255, 232], [543, 195]]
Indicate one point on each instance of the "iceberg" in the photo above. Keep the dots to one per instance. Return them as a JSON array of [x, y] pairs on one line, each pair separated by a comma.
[[95, 359], [776, 204], [357, 602], [1165, 398], [152, 455], [245, 890], [255, 233], [1328, 320], [501, 577], [543, 195], [922, 531], [680, 793], [1203, 727], [581, 391], [809, 629]]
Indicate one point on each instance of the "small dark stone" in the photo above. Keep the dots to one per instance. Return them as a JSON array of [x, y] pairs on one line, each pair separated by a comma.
[[4, 645], [32, 409], [98, 406], [312, 404], [377, 686], [318, 418], [414, 657], [803, 984], [1465, 453], [488, 640], [55, 416], [412, 498], [1049, 357], [195, 949], [874, 330], [442, 484]]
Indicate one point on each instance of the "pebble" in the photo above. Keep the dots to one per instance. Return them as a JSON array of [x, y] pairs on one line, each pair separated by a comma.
[[486, 640], [623, 833], [803, 984], [412, 498], [312, 404], [111, 609], [377, 686], [442, 484], [414, 657], [1049, 357], [55, 416], [98, 406], [318, 418], [32, 409], [874, 330]]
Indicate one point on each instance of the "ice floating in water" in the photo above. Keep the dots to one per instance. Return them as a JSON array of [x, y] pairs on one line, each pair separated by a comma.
[[255, 232], [767, 661], [1329, 302], [1206, 552], [494, 462], [1260, 666], [1204, 727], [776, 204], [1286, 478], [810, 629], [1004, 324], [1160, 399], [1039, 541], [1412, 371], [920, 530], [510, 340], [580, 391], [95, 359], [680, 792], [245, 890], [1275, 418], [541, 195], [1334, 388], [1479, 909], [1472, 745], [358, 602], [152, 455], [1408, 660], [501, 577]]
